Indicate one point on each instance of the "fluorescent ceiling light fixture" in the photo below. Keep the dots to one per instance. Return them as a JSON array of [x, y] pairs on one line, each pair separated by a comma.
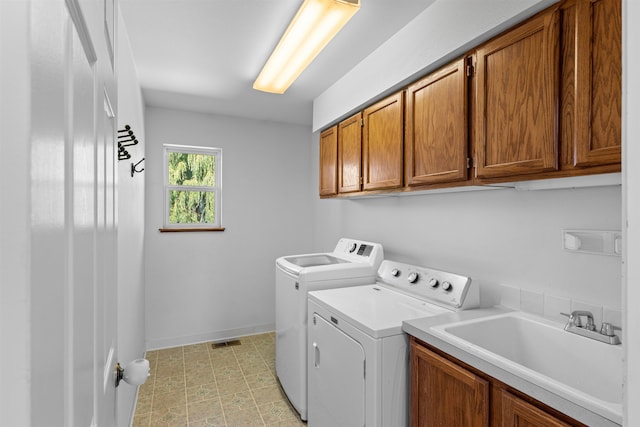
[[313, 27]]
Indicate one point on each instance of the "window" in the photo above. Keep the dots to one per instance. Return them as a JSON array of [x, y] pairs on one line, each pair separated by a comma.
[[192, 187]]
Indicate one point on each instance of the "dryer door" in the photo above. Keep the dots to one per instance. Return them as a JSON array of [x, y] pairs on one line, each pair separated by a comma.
[[336, 377]]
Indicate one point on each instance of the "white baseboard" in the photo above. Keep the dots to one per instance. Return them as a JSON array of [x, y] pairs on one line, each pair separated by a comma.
[[160, 343]]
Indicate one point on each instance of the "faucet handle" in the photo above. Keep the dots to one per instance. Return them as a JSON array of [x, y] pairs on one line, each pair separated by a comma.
[[573, 320], [608, 329]]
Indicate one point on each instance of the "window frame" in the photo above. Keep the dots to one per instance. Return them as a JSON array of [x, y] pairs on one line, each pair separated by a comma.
[[216, 189]]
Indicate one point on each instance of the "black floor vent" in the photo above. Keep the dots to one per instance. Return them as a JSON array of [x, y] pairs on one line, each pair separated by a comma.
[[225, 344]]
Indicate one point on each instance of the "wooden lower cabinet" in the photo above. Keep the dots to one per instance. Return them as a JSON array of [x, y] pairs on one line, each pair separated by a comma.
[[446, 392], [519, 413]]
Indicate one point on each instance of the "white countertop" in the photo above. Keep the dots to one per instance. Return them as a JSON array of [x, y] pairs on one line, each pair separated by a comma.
[[421, 329]]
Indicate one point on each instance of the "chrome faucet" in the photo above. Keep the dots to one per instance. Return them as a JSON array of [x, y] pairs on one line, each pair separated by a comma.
[[574, 319], [574, 325]]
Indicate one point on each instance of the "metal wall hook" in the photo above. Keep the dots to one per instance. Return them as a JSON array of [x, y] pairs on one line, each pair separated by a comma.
[[134, 168], [126, 138], [132, 141], [122, 153]]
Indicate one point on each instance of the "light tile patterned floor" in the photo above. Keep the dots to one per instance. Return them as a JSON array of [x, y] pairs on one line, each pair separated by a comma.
[[203, 385]]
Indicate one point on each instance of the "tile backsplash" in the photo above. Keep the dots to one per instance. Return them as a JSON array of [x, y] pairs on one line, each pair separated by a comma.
[[550, 306]]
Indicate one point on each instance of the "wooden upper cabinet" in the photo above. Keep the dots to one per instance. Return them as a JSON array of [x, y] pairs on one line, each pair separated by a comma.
[[591, 83], [444, 393], [516, 104], [519, 413], [329, 162], [350, 154], [382, 144], [544, 101], [436, 127]]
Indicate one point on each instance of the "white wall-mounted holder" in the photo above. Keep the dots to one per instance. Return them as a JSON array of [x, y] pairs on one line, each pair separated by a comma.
[[599, 242]]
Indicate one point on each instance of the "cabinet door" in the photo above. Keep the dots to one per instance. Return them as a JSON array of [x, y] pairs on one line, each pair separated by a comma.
[[598, 82], [516, 100], [436, 127], [518, 413], [329, 162], [445, 394], [382, 144], [349, 154]]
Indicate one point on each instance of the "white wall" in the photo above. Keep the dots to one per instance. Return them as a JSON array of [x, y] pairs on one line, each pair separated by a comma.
[[14, 213], [631, 154], [211, 285], [498, 237], [131, 327]]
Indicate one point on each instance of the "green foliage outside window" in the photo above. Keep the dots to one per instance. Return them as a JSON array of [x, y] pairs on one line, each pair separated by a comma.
[[191, 170]]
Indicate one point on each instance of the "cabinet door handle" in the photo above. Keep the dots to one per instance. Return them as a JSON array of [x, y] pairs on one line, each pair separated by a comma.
[[316, 355]]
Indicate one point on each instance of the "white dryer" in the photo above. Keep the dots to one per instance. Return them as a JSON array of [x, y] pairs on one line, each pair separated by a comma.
[[358, 355], [352, 262]]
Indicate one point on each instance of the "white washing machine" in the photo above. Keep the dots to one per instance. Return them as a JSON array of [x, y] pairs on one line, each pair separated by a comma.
[[352, 262], [358, 355]]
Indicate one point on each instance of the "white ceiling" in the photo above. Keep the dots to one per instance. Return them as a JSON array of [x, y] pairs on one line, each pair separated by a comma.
[[203, 55]]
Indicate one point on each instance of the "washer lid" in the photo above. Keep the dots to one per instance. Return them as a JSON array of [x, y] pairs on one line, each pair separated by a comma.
[[374, 309], [314, 260], [320, 267], [350, 259]]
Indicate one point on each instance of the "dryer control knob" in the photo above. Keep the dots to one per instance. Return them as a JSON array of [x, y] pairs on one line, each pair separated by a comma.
[[395, 272], [412, 277], [433, 282], [352, 247], [447, 286]]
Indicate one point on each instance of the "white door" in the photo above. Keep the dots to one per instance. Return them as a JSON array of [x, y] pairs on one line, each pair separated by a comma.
[[336, 377], [106, 274], [73, 215]]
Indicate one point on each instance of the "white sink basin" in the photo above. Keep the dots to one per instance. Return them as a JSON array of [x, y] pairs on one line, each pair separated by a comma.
[[585, 371]]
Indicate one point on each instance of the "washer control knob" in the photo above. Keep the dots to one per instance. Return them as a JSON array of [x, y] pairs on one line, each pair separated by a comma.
[[447, 286], [352, 247], [395, 272], [433, 282], [412, 277]]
